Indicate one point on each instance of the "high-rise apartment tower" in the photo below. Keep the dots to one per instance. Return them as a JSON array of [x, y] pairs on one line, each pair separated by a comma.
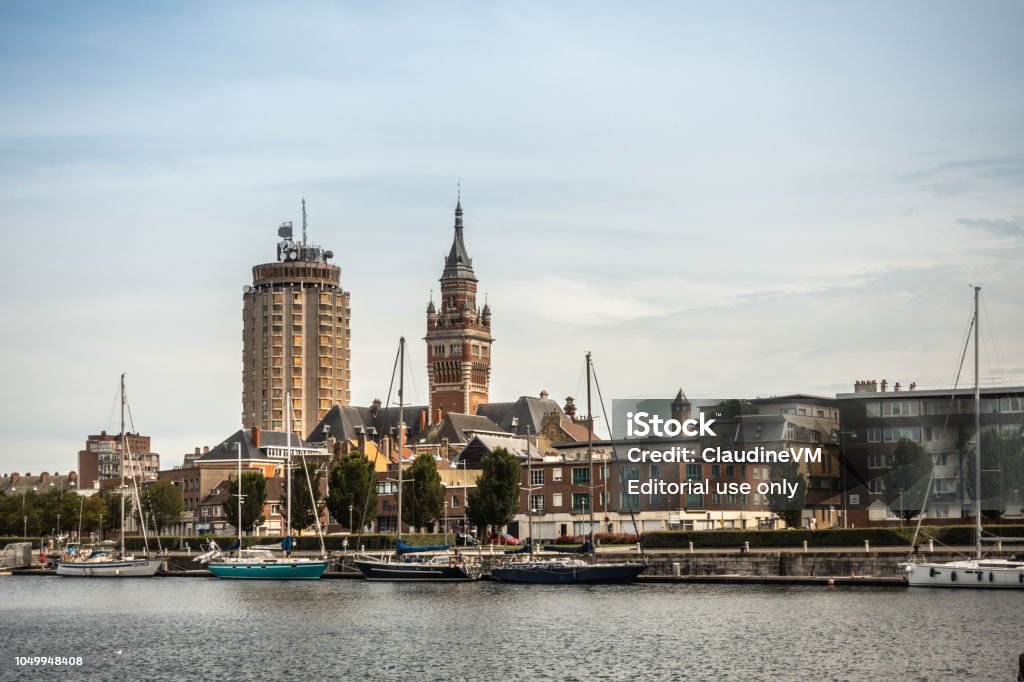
[[296, 336]]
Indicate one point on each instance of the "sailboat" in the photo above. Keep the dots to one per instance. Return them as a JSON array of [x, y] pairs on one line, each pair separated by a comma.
[[406, 566], [106, 562], [261, 563], [979, 572], [570, 570]]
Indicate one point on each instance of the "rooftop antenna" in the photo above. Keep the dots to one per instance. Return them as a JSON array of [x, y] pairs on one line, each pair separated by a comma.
[[458, 186], [303, 221]]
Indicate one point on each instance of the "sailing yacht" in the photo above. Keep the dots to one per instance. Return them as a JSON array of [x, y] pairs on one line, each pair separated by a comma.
[[570, 570], [979, 572], [106, 562], [261, 563], [406, 565]]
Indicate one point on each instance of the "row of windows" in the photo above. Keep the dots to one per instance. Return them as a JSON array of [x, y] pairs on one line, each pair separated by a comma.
[[913, 408]]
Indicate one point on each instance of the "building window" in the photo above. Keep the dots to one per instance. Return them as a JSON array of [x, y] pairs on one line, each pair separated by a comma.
[[537, 504], [878, 461], [940, 459], [556, 474], [875, 486], [580, 475], [629, 502], [537, 477], [874, 435], [630, 473], [874, 409], [455, 501], [581, 502], [759, 432], [556, 499]]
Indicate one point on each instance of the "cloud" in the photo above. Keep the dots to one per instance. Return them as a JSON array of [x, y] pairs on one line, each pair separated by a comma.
[[1011, 228], [958, 177]]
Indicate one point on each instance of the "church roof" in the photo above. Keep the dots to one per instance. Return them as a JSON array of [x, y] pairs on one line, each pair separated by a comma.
[[528, 411]]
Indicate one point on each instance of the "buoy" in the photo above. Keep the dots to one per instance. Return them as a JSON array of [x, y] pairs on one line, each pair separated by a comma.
[[831, 582]]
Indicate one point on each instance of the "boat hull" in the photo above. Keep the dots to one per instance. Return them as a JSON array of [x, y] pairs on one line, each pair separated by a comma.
[[397, 571], [971, 575], [597, 574], [277, 570], [134, 568]]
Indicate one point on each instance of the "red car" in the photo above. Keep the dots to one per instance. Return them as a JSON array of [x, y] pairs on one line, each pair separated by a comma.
[[504, 540]]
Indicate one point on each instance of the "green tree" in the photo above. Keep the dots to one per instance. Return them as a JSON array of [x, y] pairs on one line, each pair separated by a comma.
[[496, 497], [304, 508], [254, 496], [789, 509], [352, 483], [112, 510], [422, 492], [1002, 469], [908, 481], [729, 409], [163, 504]]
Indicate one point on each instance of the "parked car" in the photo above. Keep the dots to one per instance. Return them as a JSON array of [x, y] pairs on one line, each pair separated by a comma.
[[466, 540], [504, 540]]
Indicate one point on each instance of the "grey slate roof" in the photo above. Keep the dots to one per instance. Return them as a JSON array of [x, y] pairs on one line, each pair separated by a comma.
[[458, 264], [228, 448], [346, 420], [457, 427], [485, 443], [528, 410]]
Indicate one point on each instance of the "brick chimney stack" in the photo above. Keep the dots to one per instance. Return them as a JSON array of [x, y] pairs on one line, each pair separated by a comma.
[[255, 435]]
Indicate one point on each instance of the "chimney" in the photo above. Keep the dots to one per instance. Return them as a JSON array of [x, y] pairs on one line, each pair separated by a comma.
[[570, 407], [375, 407], [440, 413], [423, 421], [197, 449], [44, 477], [896, 387], [73, 476], [256, 437], [885, 384], [14, 478], [361, 436], [206, 449], [913, 385], [543, 395]]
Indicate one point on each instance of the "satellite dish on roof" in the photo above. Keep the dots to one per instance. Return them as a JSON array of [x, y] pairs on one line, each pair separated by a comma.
[[246, 289]]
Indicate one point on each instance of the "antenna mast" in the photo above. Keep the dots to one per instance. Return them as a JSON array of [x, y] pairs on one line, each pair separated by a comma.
[[303, 221]]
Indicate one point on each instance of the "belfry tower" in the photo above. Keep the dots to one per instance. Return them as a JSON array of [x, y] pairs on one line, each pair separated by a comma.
[[458, 336]]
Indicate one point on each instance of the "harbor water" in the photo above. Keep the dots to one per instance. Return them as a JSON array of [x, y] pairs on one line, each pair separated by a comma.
[[197, 628]]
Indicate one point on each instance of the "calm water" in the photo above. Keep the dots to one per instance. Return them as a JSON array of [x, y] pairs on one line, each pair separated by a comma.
[[182, 628]]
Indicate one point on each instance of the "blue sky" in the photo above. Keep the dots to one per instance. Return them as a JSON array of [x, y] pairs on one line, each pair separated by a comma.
[[739, 199]]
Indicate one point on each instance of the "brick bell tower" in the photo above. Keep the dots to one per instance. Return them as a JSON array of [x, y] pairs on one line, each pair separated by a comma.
[[458, 336]]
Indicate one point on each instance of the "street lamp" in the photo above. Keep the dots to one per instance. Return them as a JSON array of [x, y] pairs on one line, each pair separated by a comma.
[[58, 525], [844, 463], [350, 518], [25, 534]]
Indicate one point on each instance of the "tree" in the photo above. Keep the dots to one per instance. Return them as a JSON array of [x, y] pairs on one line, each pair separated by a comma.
[[112, 511], [729, 409], [353, 484], [496, 497], [789, 509], [907, 484], [1002, 469], [163, 503], [254, 496], [304, 509], [422, 493]]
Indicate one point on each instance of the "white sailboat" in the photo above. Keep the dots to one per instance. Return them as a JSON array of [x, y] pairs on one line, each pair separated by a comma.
[[979, 572], [261, 563], [106, 562]]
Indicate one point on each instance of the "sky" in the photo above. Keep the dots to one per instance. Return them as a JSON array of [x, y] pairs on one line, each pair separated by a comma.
[[743, 199]]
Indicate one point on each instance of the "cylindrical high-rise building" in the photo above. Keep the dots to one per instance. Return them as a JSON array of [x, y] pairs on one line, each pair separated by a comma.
[[295, 337]]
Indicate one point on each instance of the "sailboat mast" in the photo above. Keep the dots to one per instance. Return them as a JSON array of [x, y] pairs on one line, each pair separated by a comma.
[[401, 426], [977, 431], [590, 455], [124, 451], [239, 444], [288, 477]]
